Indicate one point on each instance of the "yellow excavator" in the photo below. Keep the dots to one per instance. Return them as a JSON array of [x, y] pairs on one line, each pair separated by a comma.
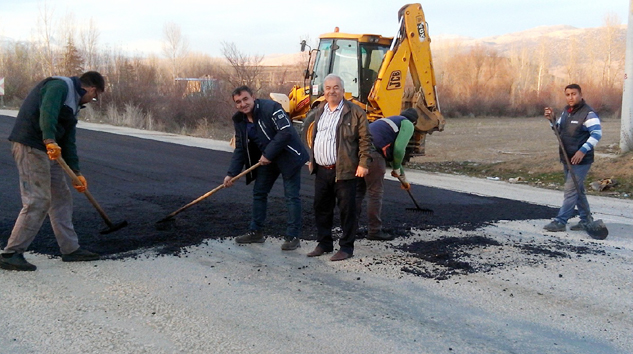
[[374, 70]]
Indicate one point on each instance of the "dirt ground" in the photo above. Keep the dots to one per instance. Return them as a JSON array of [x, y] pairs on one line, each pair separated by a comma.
[[521, 147]]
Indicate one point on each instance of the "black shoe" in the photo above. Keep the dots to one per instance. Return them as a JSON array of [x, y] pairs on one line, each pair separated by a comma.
[[341, 256], [555, 226], [380, 236], [290, 245], [318, 251], [581, 226], [251, 237], [80, 255], [15, 261]]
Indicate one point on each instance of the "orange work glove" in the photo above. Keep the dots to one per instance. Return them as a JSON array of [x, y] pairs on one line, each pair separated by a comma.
[[53, 150], [403, 180], [81, 188]]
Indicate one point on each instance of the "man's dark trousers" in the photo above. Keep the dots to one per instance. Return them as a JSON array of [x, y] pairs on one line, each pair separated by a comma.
[[327, 193], [266, 177]]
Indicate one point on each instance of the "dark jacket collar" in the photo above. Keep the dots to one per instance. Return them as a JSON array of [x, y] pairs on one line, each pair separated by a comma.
[[574, 109]]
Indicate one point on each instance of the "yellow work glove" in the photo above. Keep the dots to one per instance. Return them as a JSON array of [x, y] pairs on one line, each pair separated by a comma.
[[404, 184], [84, 184], [53, 150]]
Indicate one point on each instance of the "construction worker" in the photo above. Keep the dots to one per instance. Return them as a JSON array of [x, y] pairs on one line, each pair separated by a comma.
[[341, 145], [391, 136], [44, 130], [264, 134], [580, 130]]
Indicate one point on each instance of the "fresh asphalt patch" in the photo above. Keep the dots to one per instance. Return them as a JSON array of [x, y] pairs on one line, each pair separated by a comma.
[[142, 181]]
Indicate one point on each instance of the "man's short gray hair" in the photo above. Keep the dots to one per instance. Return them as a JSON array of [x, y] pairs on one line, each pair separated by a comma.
[[334, 76]]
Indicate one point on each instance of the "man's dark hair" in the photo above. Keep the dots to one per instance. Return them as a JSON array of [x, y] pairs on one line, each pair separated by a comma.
[[93, 79], [411, 114], [574, 86], [238, 91]]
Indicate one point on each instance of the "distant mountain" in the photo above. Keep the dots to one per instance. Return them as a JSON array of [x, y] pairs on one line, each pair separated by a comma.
[[298, 58], [559, 40]]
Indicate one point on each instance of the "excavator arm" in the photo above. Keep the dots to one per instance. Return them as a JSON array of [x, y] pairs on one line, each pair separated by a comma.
[[410, 52]]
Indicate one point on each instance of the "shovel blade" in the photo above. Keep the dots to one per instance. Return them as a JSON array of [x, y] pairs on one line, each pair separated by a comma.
[[597, 230], [114, 227], [424, 211]]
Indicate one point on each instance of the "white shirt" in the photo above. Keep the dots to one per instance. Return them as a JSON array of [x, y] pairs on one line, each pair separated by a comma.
[[325, 140]]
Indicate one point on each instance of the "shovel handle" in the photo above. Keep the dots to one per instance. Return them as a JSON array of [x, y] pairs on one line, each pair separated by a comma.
[[409, 191], [567, 161], [209, 193], [92, 200]]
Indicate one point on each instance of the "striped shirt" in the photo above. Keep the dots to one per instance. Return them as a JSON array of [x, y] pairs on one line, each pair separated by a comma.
[[592, 125], [325, 140]]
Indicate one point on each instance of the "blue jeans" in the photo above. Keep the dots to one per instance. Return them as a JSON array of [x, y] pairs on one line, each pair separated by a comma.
[[572, 199], [266, 177]]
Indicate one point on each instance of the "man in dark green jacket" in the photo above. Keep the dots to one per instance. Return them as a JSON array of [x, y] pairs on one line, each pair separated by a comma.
[[44, 130]]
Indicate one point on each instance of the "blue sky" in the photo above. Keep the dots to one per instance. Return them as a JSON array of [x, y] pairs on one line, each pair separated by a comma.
[[277, 26]]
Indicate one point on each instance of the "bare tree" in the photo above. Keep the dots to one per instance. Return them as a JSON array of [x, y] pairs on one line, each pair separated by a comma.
[[45, 32], [245, 69], [609, 44], [571, 62], [89, 37], [542, 58], [175, 46]]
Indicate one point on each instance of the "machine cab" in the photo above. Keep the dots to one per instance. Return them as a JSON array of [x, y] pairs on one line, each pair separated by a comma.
[[355, 58]]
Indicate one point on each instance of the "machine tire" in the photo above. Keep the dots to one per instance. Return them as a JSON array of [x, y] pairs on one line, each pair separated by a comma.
[[306, 129]]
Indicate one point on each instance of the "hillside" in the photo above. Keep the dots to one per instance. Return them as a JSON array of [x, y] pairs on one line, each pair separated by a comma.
[[560, 39]]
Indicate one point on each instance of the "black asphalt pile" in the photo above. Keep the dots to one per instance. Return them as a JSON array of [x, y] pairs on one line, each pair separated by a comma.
[[142, 181], [445, 257]]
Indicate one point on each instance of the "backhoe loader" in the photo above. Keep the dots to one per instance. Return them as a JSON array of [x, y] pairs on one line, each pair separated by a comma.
[[374, 70]]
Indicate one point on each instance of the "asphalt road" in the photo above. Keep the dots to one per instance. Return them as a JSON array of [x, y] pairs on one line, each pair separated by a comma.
[[142, 181], [479, 276]]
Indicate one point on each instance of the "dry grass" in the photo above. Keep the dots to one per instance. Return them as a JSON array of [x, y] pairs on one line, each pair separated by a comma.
[[521, 147]]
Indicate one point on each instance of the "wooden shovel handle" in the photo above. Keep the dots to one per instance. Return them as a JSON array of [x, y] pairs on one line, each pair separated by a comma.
[[92, 200], [211, 192]]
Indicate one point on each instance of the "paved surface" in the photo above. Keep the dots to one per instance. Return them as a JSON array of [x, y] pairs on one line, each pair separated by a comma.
[[509, 289]]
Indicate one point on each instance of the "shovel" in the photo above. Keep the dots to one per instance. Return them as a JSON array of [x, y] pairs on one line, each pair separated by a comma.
[[595, 228], [111, 226], [417, 207], [204, 196]]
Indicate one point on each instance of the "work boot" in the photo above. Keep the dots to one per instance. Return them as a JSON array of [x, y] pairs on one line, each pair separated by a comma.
[[251, 237], [80, 255], [291, 244], [555, 226], [15, 261], [380, 236], [581, 226]]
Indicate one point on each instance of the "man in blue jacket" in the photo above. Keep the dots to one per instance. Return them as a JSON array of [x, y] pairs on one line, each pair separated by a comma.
[[580, 130], [264, 134], [45, 129], [391, 136]]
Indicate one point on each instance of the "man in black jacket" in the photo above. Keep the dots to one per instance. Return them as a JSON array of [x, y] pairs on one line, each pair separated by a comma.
[[264, 134], [46, 125]]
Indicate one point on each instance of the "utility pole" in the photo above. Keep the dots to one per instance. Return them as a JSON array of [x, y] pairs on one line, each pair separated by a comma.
[[2, 90], [626, 132]]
